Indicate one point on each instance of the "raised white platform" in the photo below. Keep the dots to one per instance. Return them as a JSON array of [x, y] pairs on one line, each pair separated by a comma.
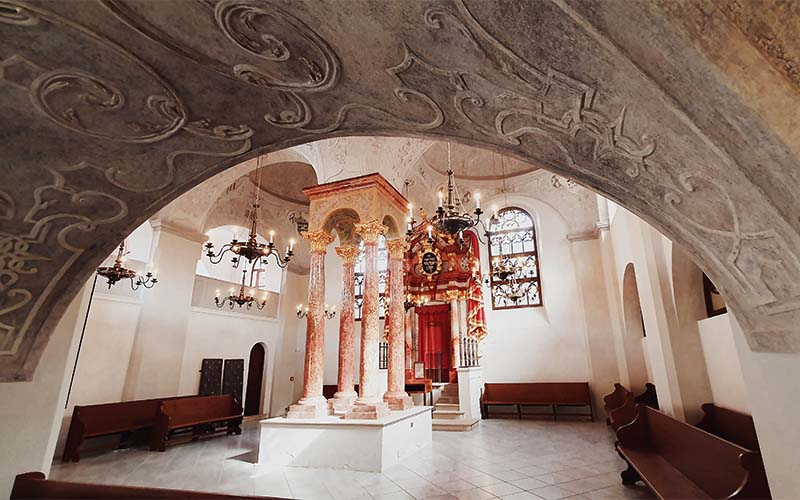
[[336, 443]]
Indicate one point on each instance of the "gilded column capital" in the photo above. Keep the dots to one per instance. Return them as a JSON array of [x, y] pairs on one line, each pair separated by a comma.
[[369, 231], [319, 240], [397, 248], [347, 253]]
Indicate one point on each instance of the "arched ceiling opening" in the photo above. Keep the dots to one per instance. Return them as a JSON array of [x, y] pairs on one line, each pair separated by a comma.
[[286, 180], [474, 164], [111, 111]]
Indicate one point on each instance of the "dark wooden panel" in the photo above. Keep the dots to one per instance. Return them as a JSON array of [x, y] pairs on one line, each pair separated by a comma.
[[731, 425], [211, 377], [233, 378]]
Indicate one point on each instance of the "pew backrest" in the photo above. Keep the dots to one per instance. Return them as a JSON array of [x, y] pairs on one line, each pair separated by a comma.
[[616, 398], [718, 467], [33, 485], [109, 418], [731, 425], [199, 409], [624, 414], [533, 393]]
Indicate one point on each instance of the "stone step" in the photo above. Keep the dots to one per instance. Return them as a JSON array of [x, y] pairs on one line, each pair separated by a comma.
[[447, 414], [457, 425], [447, 400], [447, 406]]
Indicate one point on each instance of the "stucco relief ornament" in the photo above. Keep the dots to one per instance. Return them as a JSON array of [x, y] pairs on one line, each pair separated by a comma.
[[319, 240]]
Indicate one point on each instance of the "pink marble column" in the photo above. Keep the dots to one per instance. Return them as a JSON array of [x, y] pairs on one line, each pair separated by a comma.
[[345, 396], [396, 395], [313, 403], [409, 343], [455, 336], [369, 404]]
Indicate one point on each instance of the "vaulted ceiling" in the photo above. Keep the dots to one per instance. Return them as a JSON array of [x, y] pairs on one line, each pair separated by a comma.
[[681, 111]]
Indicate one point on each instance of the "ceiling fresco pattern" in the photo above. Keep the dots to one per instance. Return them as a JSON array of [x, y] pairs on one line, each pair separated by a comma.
[[111, 109]]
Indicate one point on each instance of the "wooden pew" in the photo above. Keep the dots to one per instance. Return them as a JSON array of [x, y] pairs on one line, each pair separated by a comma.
[[731, 425], [108, 419], [553, 394], [678, 461], [198, 416], [624, 414], [649, 396], [614, 400], [34, 485]]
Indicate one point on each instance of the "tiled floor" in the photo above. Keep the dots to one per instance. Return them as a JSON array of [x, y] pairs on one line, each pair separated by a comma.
[[527, 460]]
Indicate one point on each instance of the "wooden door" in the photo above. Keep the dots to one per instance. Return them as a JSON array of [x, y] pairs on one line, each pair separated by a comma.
[[233, 378], [255, 381]]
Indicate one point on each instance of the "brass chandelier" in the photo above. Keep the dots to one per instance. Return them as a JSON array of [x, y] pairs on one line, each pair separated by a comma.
[[302, 312], [450, 217], [510, 274], [252, 250], [118, 272], [242, 299]]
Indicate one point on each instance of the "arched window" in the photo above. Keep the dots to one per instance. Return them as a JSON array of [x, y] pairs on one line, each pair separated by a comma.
[[383, 265], [512, 246]]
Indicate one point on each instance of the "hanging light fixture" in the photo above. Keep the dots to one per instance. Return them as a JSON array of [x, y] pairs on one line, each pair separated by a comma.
[[242, 299], [254, 252], [118, 272], [450, 217], [302, 311]]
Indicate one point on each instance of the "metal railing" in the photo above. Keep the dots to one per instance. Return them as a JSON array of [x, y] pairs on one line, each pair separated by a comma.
[[383, 356], [469, 353]]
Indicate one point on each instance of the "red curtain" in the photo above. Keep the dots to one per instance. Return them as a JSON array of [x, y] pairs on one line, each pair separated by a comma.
[[434, 336]]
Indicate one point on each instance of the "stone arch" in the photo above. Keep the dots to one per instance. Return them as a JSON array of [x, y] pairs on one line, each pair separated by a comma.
[[393, 229], [664, 153], [634, 330], [342, 222]]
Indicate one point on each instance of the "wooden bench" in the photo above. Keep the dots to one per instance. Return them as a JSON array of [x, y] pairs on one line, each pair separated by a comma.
[[730, 425], [108, 419], [197, 416], [678, 461], [34, 485], [553, 394], [622, 397]]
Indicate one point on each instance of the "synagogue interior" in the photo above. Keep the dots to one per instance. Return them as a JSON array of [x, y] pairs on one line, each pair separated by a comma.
[[497, 279]]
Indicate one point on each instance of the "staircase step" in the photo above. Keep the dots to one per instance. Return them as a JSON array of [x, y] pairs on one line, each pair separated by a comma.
[[457, 425], [447, 414], [447, 400], [447, 406]]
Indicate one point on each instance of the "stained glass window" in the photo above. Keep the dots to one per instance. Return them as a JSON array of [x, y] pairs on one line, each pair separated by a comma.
[[512, 244]]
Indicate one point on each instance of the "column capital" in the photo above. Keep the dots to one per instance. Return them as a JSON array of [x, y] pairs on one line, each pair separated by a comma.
[[369, 231], [319, 240], [397, 248], [347, 253]]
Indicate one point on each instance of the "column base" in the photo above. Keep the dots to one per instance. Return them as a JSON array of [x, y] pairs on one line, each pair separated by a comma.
[[368, 411], [315, 407], [398, 401], [342, 402]]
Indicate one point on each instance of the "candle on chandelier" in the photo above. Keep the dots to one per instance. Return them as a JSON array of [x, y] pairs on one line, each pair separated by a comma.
[[410, 211], [217, 293], [410, 226], [441, 199], [271, 237], [477, 200], [291, 244], [430, 232]]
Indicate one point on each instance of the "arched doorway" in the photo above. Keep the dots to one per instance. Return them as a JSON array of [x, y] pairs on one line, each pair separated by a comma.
[[255, 380], [634, 330]]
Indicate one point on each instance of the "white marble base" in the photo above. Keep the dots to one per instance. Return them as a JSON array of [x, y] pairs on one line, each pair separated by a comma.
[[336, 443]]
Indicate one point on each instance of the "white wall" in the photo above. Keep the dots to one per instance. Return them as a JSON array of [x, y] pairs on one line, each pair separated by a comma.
[[545, 343], [722, 363]]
